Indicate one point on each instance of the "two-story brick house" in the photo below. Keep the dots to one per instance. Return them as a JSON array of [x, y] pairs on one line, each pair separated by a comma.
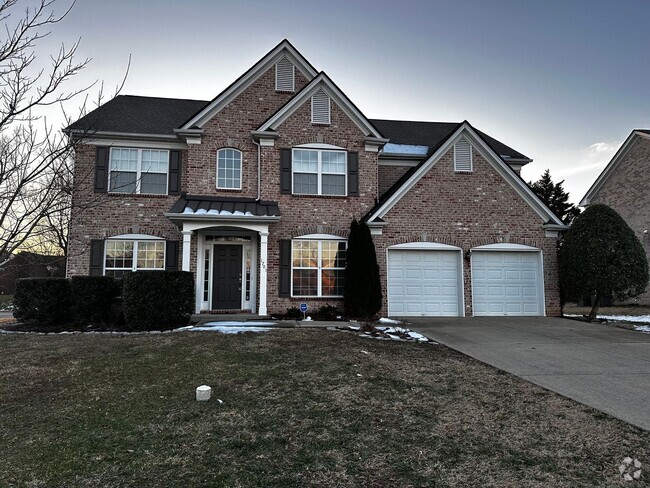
[[254, 192], [624, 185]]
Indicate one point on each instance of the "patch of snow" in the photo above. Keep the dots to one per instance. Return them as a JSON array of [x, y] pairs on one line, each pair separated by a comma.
[[391, 148], [384, 320], [642, 328], [229, 329], [643, 319], [417, 336]]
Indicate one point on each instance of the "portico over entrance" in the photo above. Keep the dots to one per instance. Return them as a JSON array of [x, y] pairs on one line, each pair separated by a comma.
[[227, 238]]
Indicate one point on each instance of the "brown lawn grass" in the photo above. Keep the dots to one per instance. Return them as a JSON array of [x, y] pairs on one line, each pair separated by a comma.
[[98, 410]]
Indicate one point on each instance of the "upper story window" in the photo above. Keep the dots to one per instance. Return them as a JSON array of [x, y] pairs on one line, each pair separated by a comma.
[[126, 255], [229, 169], [285, 76], [318, 267], [320, 108], [138, 171], [319, 172], [463, 156]]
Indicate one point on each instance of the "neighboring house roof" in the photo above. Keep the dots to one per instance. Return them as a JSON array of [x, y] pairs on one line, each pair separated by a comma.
[[433, 133], [209, 206], [611, 166], [321, 82], [404, 184], [139, 115]]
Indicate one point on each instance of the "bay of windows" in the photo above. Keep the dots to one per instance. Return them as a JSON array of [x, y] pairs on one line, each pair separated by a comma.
[[319, 172], [318, 268], [138, 170], [124, 256]]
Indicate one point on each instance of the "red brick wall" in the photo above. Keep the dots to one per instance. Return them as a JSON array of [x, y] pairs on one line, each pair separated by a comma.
[[468, 210], [232, 128], [303, 215], [388, 176], [627, 190]]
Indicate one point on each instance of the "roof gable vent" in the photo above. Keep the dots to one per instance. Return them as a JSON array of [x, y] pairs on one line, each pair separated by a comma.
[[320, 108], [463, 155], [285, 75]]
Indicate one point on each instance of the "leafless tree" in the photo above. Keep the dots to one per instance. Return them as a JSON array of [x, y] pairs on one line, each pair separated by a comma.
[[36, 159]]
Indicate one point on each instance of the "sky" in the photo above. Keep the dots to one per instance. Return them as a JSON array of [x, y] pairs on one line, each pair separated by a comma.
[[563, 82]]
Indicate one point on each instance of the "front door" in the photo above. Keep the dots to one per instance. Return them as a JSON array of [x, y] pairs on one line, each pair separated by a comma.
[[227, 284]]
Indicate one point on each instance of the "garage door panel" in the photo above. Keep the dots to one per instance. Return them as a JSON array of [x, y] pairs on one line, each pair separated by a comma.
[[507, 283], [423, 282]]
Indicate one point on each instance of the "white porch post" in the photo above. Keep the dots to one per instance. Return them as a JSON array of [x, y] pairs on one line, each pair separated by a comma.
[[264, 244], [187, 241]]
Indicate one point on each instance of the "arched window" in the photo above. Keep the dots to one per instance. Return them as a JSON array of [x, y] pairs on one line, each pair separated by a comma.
[[229, 169]]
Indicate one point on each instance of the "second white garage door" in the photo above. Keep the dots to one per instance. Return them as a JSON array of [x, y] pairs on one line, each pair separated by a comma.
[[424, 283], [507, 283]]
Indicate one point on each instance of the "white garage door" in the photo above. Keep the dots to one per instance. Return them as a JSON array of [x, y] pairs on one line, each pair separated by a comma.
[[507, 283], [423, 283]]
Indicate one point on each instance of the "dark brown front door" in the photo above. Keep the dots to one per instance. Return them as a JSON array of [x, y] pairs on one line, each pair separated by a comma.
[[226, 286]]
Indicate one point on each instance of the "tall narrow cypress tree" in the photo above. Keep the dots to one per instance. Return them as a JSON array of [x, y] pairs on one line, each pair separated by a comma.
[[362, 281]]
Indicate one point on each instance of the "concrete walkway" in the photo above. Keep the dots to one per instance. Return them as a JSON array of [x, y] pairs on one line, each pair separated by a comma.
[[604, 367]]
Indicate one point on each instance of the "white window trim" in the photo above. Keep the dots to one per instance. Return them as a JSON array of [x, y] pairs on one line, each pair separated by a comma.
[[319, 268], [241, 172], [138, 172], [134, 266], [319, 171], [471, 157]]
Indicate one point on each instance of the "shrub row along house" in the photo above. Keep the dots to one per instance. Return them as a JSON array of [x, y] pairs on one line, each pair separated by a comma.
[[255, 190]]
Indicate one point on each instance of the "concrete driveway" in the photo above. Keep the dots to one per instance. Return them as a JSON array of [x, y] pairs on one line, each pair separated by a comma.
[[604, 367]]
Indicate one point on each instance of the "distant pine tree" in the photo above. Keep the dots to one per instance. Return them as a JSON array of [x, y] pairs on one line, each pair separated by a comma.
[[362, 281], [555, 198]]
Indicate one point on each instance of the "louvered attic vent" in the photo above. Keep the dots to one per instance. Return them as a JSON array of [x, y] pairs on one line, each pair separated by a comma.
[[463, 155], [320, 108], [284, 76]]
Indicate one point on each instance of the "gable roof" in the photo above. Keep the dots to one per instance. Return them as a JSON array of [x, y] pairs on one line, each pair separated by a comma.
[[322, 81], [433, 133], [138, 115], [612, 165], [284, 48], [399, 189]]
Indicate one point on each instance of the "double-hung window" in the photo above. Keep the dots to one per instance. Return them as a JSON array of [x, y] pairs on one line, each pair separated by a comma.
[[318, 268], [123, 256], [319, 172], [138, 171]]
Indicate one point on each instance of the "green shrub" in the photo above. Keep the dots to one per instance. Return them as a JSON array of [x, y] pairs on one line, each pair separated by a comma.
[[362, 281], [327, 312], [157, 299], [92, 298], [44, 301], [293, 313]]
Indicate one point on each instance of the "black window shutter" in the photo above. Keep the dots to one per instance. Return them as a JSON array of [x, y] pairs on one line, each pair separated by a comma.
[[101, 169], [353, 174], [96, 257], [171, 256], [174, 173], [285, 171], [285, 268]]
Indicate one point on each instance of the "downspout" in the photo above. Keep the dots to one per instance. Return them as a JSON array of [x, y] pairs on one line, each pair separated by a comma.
[[259, 169]]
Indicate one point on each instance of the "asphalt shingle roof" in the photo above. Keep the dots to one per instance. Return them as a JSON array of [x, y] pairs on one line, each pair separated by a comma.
[[139, 115], [432, 134]]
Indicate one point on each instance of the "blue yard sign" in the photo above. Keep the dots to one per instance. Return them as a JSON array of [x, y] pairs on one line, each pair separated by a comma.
[[303, 307]]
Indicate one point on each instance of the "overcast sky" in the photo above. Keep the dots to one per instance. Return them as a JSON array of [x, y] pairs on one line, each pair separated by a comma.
[[563, 82]]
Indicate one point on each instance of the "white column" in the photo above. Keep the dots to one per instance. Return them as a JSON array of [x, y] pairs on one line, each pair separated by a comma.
[[187, 247], [264, 244]]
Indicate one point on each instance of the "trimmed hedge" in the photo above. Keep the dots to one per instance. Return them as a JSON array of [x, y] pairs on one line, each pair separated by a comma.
[[45, 301], [157, 299], [93, 299]]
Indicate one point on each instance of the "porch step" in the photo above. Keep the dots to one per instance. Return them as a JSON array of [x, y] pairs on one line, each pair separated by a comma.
[[229, 317]]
